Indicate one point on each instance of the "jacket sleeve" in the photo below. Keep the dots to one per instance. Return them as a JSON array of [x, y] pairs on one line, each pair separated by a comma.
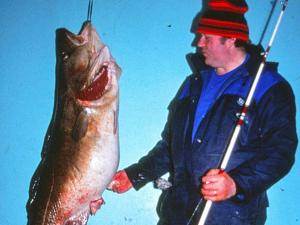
[[158, 161], [150, 167], [277, 143]]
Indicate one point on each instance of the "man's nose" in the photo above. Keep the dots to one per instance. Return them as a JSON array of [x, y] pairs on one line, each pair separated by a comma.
[[201, 42]]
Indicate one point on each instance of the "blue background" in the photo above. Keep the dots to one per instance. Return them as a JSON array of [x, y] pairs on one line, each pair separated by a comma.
[[149, 40]]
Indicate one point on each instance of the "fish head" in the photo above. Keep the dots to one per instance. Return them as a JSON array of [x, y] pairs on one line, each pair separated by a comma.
[[85, 67]]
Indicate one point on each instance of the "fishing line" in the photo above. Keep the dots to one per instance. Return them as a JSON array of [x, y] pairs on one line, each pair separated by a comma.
[[268, 21], [90, 10]]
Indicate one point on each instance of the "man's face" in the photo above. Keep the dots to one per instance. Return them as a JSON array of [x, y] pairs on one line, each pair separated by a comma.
[[214, 49]]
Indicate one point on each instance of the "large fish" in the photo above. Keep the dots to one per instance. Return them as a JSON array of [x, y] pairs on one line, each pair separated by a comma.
[[81, 149]]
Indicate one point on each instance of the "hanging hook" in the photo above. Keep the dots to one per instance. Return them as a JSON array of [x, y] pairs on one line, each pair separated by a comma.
[[90, 10]]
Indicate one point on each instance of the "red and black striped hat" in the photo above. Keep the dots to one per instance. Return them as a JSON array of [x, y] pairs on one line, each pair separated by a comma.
[[225, 18]]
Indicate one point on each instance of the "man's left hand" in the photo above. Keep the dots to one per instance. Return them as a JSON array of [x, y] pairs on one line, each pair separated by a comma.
[[217, 185]]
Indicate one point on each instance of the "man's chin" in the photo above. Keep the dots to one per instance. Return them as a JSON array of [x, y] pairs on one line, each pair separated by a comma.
[[207, 62]]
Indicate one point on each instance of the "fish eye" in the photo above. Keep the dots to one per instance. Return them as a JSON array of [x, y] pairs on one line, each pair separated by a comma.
[[65, 56]]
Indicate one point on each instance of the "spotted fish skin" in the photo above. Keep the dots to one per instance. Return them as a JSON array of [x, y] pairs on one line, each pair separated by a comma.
[[80, 154]]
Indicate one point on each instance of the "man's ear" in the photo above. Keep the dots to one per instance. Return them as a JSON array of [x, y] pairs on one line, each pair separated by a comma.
[[231, 41]]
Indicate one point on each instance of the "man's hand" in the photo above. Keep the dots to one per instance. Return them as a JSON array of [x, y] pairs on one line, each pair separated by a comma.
[[120, 182], [217, 185]]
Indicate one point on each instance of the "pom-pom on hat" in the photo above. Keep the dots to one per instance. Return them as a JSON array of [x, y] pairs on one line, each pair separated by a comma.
[[225, 18]]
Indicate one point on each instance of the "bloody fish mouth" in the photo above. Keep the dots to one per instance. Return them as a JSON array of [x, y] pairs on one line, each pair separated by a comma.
[[97, 88]]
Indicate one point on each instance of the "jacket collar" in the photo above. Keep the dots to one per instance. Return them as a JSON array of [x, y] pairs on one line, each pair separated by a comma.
[[200, 69]]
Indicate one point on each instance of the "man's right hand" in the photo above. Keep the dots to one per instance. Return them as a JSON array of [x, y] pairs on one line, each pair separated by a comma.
[[120, 182]]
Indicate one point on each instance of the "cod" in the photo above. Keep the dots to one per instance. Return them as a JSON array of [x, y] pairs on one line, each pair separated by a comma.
[[80, 153]]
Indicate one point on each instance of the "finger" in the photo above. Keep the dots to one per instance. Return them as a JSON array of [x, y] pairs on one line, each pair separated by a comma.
[[209, 192], [210, 186], [110, 187], [210, 179], [214, 198], [214, 175], [113, 186], [211, 195]]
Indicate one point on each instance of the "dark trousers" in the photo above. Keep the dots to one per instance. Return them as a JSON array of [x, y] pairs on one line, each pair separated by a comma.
[[259, 219]]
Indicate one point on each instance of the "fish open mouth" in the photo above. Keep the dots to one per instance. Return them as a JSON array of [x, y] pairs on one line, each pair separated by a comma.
[[96, 89]]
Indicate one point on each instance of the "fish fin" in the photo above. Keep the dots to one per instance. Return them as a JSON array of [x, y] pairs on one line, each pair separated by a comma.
[[78, 219], [40, 192], [80, 126], [95, 205]]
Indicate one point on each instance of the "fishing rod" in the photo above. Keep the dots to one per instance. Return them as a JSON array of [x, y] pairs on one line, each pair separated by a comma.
[[227, 153]]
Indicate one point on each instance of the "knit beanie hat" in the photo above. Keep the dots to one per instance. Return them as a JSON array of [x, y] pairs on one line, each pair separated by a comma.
[[225, 18]]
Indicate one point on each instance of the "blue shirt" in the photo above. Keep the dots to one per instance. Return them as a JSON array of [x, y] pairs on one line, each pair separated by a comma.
[[210, 90]]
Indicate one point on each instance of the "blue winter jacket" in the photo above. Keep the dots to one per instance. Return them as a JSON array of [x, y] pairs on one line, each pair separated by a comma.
[[264, 152]]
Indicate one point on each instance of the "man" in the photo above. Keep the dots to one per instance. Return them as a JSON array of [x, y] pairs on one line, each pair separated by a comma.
[[201, 119]]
